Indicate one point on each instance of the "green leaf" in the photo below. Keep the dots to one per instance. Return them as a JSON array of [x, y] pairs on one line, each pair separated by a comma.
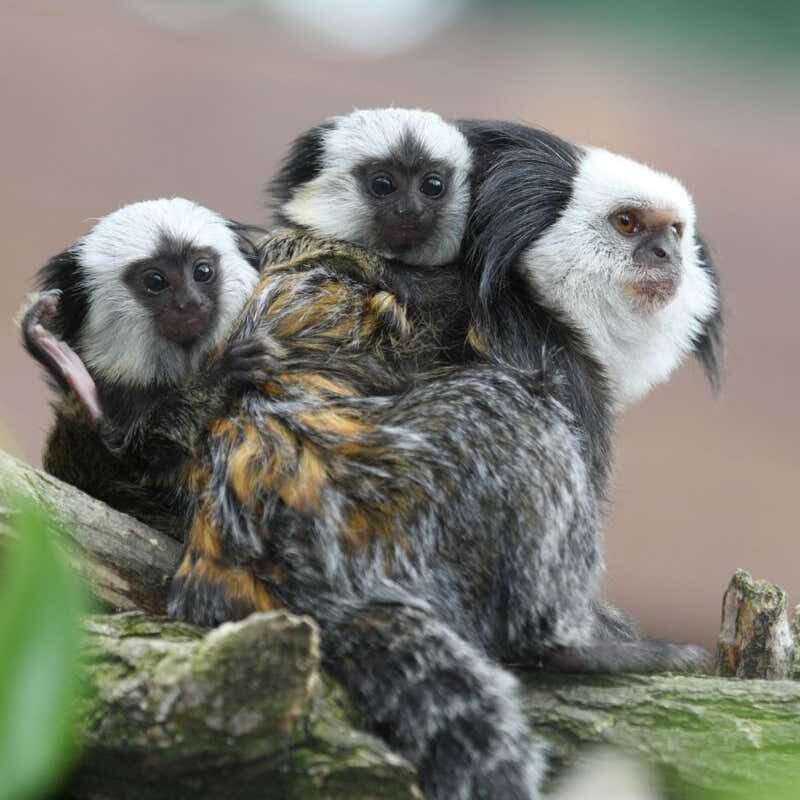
[[41, 602]]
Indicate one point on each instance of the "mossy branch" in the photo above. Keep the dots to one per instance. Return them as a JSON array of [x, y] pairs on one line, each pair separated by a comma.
[[244, 711]]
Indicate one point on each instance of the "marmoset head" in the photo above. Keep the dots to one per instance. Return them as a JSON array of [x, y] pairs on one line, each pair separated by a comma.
[[150, 290], [394, 180], [607, 243]]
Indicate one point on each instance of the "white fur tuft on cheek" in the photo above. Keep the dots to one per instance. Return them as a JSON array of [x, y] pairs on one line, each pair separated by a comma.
[[330, 205]]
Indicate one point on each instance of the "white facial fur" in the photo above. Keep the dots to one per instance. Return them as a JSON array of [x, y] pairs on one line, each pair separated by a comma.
[[119, 341], [580, 267], [332, 204]]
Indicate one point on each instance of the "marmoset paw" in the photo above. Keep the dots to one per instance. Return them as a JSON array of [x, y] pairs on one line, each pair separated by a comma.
[[208, 592], [629, 655], [251, 361]]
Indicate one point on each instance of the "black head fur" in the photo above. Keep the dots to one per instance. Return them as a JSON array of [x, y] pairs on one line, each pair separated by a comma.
[[301, 164], [247, 237], [523, 181], [709, 344], [63, 272]]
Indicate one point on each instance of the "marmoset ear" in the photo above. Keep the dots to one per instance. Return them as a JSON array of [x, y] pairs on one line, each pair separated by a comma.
[[709, 346], [63, 272], [247, 237], [301, 164]]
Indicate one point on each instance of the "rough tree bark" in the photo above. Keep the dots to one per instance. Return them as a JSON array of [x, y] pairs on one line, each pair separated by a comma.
[[245, 711], [175, 712], [755, 640], [126, 564]]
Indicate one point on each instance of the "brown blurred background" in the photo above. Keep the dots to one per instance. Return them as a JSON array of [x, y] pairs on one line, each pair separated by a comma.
[[104, 103]]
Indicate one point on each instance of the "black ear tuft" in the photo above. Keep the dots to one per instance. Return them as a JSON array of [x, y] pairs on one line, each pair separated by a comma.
[[63, 272], [709, 344], [302, 164], [523, 183], [247, 238]]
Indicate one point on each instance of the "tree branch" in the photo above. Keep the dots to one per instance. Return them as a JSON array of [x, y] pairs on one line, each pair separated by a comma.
[[244, 711], [126, 564], [708, 736], [172, 711]]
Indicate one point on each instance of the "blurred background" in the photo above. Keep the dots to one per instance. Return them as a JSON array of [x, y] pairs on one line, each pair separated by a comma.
[[103, 103]]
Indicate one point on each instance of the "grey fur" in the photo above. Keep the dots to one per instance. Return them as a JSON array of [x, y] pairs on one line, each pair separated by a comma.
[[436, 519], [483, 487]]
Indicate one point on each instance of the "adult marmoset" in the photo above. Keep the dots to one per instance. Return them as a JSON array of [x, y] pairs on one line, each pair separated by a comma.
[[456, 523], [371, 512]]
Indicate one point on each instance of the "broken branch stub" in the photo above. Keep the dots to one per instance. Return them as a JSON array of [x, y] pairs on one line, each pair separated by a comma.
[[755, 640]]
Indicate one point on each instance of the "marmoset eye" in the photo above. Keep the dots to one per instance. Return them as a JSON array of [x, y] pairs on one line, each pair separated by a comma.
[[626, 222], [432, 186], [203, 272], [381, 185], [154, 282]]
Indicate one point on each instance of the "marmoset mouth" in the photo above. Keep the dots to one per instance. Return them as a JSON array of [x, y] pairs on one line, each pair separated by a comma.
[[401, 235], [404, 236], [652, 293], [184, 330]]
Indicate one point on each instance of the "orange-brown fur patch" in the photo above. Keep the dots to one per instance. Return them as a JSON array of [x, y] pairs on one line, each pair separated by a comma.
[[301, 491], [291, 322], [240, 586], [204, 536], [319, 385], [386, 305], [365, 526], [332, 421], [359, 530], [246, 465], [280, 454], [295, 313], [197, 477], [224, 428], [185, 567], [283, 293]]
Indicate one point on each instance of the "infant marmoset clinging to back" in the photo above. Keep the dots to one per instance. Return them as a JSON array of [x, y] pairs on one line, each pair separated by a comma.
[[394, 180]]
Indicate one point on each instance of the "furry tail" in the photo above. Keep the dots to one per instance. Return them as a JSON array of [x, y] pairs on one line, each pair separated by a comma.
[[437, 700]]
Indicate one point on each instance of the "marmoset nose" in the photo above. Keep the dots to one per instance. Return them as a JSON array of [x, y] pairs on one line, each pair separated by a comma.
[[659, 250], [408, 209], [186, 300]]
